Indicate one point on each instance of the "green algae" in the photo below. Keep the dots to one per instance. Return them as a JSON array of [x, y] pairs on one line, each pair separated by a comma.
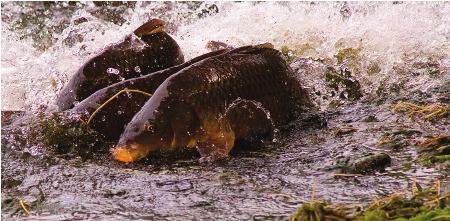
[[64, 136], [434, 150], [319, 210], [422, 205], [289, 54], [430, 160], [346, 87], [441, 214], [347, 54]]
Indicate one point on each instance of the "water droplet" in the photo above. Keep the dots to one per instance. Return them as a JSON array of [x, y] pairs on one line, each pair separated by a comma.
[[119, 112], [112, 71], [137, 69]]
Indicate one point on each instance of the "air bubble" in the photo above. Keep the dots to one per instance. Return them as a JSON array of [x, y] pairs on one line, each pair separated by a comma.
[[137, 69]]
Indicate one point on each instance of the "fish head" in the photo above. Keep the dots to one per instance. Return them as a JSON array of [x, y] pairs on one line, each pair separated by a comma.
[[149, 130]]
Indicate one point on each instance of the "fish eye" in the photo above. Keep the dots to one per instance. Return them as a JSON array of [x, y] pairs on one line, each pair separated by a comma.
[[150, 127]]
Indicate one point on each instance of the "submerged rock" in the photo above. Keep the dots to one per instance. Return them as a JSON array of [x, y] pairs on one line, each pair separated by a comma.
[[360, 164], [343, 84]]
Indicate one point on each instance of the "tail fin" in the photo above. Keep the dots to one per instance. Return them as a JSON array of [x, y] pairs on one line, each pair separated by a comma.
[[151, 27]]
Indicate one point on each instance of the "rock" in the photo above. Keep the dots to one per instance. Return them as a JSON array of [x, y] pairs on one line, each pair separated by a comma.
[[360, 164]]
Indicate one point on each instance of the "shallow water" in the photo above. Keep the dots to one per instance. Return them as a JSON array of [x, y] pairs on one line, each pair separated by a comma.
[[387, 51]]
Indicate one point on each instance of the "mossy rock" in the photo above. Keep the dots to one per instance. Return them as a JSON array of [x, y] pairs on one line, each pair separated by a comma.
[[360, 164], [288, 54], [436, 151], [343, 84], [318, 210], [65, 136], [347, 54]]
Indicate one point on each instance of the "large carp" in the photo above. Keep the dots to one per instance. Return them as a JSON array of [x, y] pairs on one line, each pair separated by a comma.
[[111, 119], [213, 102], [147, 50]]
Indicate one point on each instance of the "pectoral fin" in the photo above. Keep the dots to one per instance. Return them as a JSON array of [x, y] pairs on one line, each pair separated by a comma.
[[243, 118], [248, 118], [218, 145]]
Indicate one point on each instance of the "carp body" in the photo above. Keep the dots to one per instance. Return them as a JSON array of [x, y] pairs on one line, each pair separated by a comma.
[[211, 103], [147, 50], [111, 119]]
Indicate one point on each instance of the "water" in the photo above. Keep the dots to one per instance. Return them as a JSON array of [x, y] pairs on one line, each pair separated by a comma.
[[358, 59]]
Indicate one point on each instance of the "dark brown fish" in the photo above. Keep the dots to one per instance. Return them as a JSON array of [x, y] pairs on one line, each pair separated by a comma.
[[112, 118], [147, 50], [212, 103]]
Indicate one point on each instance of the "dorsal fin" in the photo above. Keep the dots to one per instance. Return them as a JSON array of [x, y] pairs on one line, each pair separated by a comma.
[[266, 49], [207, 55], [241, 49], [265, 45], [151, 27]]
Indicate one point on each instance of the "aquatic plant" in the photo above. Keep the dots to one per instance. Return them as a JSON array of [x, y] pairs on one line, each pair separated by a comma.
[[434, 150], [430, 111], [424, 204], [63, 135]]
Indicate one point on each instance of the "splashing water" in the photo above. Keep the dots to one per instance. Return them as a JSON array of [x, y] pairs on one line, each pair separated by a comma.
[[341, 51], [386, 46]]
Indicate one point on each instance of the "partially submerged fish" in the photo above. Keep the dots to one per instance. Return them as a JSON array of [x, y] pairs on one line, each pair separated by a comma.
[[212, 103], [147, 50], [112, 118]]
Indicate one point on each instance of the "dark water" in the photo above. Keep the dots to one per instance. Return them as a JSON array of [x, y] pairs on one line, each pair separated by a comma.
[[260, 180], [267, 180]]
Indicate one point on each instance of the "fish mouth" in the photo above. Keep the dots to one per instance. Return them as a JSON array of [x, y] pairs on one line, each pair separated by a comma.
[[127, 155]]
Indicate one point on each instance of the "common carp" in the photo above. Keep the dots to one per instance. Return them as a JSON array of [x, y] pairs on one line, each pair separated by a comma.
[[212, 103], [111, 119], [147, 50]]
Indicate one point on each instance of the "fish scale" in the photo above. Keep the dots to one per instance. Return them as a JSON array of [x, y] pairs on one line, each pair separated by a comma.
[[213, 102], [250, 88], [152, 52], [114, 116]]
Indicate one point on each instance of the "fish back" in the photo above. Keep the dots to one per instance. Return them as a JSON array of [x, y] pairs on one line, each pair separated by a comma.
[[134, 57], [253, 73]]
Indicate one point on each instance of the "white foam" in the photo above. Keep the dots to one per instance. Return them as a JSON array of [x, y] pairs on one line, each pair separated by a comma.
[[397, 39]]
